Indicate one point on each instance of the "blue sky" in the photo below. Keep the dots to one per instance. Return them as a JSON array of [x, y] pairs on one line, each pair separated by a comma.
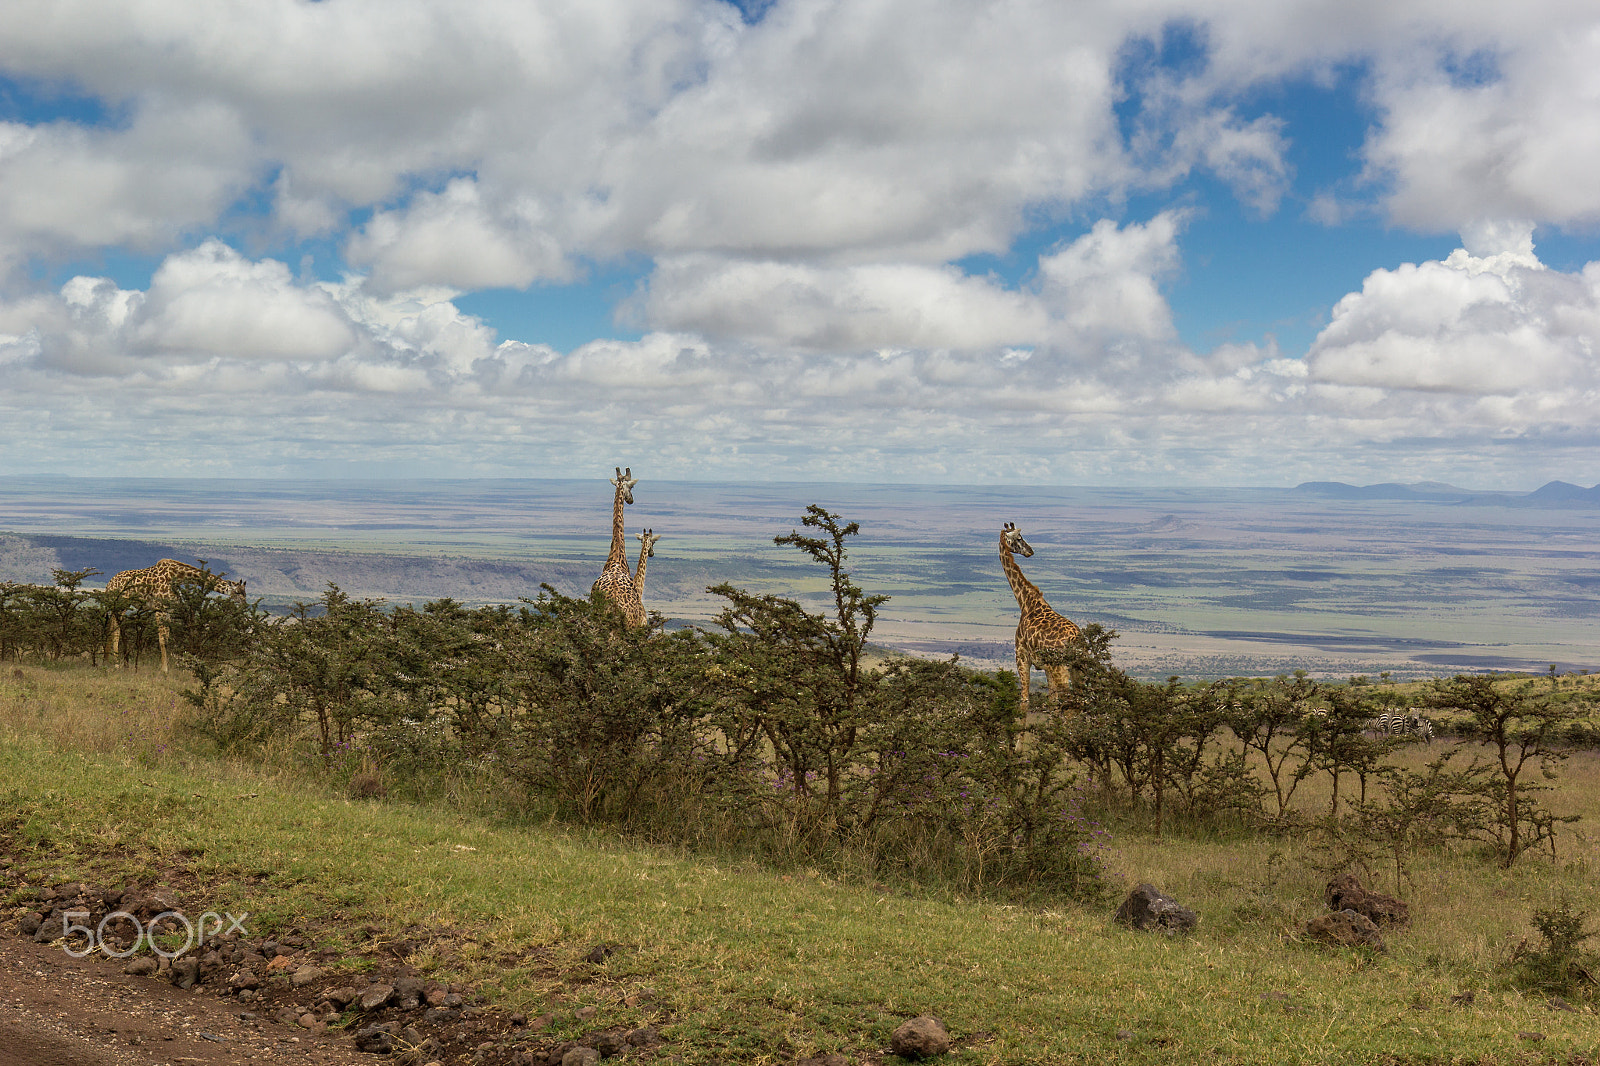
[[1229, 243]]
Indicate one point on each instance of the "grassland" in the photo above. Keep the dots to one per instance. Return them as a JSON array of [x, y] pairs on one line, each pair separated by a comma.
[[751, 964]]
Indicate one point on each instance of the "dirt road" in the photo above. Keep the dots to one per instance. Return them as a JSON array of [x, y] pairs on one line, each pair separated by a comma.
[[56, 1010]]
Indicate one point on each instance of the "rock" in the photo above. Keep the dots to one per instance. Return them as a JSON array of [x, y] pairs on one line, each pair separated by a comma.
[[1148, 908], [342, 996], [309, 1021], [419, 1054], [376, 1039], [185, 971], [375, 996], [644, 1036], [243, 980], [580, 1056], [408, 992], [1346, 893], [599, 953], [305, 975], [30, 923], [610, 1045], [920, 1038], [1345, 929], [832, 1058], [143, 966]]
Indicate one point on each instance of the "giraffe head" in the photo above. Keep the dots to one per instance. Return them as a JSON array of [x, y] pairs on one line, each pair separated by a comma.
[[232, 589], [1011, 540], [625, 483], [647, 541]]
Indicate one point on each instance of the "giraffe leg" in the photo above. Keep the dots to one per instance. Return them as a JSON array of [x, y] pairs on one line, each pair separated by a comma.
[[1024, 679], [161, 633], [116, 642], [1060, 680]]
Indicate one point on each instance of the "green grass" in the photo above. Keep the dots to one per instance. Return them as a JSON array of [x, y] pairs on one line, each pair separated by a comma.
[[755, 965]]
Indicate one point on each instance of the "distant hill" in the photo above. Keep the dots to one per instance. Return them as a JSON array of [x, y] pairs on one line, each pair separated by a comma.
[[1555, 495]]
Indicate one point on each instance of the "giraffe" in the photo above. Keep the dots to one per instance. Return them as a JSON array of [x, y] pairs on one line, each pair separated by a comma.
[[616, 581], [647, 551], [154, 583], [1043, 636]]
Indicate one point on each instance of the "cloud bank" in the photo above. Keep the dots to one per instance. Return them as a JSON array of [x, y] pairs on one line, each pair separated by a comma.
[[805, 189]]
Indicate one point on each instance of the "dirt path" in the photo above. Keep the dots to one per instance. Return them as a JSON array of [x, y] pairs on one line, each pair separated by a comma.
[[56, 1010]]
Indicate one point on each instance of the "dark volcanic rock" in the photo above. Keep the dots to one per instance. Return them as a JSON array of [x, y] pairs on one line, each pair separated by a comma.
[[1346, 893], [1148, 908]]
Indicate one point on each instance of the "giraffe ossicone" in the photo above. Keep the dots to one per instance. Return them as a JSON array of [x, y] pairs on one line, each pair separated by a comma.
[[154, 583], [1044, 638]]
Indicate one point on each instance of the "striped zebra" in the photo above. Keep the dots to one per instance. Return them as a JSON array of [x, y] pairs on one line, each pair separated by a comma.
[[1419, 727], [1393, 724], [1388, 724]]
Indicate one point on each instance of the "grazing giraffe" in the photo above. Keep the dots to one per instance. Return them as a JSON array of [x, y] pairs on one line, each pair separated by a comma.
[[154, 583], [1044, 638], [616, 581], [647, 550]]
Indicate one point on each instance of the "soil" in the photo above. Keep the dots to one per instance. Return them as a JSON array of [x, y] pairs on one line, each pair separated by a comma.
[[56, 1010]]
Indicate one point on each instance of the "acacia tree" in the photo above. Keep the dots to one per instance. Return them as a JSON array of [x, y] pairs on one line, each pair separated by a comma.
[[797, 677], [1522, 728], [1269, 719]]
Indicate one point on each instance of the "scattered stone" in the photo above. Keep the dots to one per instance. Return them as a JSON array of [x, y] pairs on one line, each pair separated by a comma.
[[832, 1058], [309, 1021], [408, 992], [244, 980], [644, 1036], [341, 997], [185, 971], [1124, 1034], [305, 975], [585, 1014], [610, 1045], [1147, 907], [1346, 893], [143, 966], [580, 1056], [1557, 1003], [1345, 929], [920, 1038], [376, 1039], [599, 953], [420, 1054], [375, 996]]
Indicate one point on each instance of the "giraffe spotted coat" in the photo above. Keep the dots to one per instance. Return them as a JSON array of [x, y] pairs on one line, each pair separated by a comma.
[[1044, 638], [154, 583]]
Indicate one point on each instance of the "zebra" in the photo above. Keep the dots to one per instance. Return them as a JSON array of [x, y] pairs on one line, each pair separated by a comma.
[[1388, 724], [1393, 724]]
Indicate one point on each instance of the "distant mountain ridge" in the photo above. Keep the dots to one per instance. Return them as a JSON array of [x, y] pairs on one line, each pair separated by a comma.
[[1554, 495]]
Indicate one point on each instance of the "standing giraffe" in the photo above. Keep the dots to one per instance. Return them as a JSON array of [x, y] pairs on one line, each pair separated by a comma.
[[1043, 636], [616, 581], [154, 583], [647, 551]]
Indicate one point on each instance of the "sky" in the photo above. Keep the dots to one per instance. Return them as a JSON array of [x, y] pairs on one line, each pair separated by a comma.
[[1124, 242]]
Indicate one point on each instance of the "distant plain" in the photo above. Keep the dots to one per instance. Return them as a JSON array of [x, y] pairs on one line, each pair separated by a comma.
[[1199, 582]]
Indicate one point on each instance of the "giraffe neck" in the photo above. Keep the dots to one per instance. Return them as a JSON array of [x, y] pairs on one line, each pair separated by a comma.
[[1027, 594], [638, 574], [619, 547]]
